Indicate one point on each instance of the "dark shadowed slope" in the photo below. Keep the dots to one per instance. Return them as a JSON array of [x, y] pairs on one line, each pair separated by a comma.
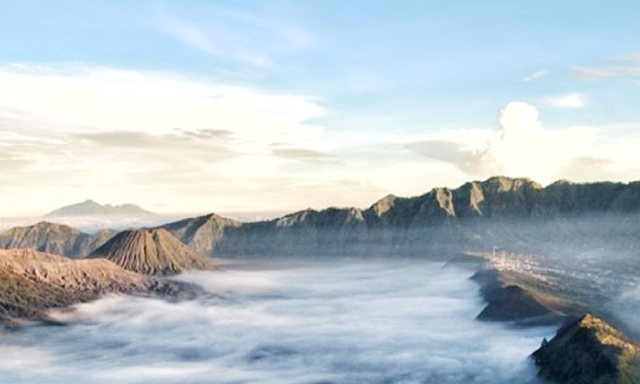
[[152, 252], [589, 350], [54, 238], [91, 208]]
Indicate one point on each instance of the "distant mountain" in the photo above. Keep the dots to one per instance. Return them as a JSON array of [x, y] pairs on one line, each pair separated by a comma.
[[475, 215], [91, 208], [54, 238], [151, 252], [589, 350]]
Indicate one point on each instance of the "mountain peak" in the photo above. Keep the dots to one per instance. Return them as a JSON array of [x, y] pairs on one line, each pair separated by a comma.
[[383, 205], [509, 184], [150, 251]]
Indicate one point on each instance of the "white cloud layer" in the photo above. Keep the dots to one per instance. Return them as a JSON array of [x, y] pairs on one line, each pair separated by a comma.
[[175, 144], [70, 133], [339, 322]]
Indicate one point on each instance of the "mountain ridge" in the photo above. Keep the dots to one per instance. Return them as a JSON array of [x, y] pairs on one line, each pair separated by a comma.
[[472, 216], [394, 225]]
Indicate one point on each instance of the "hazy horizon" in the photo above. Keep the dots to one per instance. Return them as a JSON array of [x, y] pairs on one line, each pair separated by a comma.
[[255, 215]]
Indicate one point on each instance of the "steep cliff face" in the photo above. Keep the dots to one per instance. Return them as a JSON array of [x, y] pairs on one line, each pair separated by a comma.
[[589, 350], [150, 252], [478, 214], [54, 238]]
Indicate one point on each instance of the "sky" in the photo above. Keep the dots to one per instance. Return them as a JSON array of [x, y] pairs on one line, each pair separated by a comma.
[[254, 106]]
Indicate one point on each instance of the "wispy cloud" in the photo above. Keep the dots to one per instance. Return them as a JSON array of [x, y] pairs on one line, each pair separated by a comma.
[[189, 34], [535, 76], [622, 66], [302, 154], [222, 44], [574, 100], [234, 35]]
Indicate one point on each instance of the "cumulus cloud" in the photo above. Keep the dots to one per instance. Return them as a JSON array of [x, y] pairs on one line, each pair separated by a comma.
[[524, 148], [574, 100], [535, 76]]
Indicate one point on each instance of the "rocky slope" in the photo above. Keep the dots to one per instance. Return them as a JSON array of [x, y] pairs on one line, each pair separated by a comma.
[[54, 238], [513, 293], [91, 208], [32, 282], [513, 303], [151, 252], [201, 233], [586, 349], [476, 215], [589, 350]]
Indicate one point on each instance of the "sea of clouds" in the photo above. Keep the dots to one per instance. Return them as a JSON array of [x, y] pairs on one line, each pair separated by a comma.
[[339, 322]]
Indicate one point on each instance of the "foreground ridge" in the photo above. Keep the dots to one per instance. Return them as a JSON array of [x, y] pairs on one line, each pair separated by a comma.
[[32, 282], [588, 350]]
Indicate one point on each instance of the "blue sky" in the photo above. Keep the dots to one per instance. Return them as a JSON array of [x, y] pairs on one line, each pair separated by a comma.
[[372, 73]]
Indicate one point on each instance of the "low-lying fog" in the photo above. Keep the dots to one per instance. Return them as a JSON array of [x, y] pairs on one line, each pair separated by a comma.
[[340, 322]]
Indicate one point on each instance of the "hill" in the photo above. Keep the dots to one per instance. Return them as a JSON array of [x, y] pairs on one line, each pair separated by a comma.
[[151, 252], [54, 238]]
